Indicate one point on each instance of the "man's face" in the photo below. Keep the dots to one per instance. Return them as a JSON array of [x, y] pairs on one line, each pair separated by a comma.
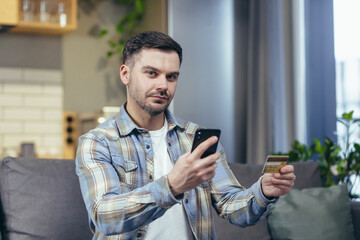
[[152, 80]]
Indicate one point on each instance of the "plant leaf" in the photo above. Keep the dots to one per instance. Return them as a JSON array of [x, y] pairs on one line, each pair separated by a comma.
[[348, 116], [103, 32], [109, 54], [139, 5], [112, 44], [119, 29]]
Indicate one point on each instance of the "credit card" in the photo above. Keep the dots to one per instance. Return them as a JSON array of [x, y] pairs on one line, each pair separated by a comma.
[[274, 163]]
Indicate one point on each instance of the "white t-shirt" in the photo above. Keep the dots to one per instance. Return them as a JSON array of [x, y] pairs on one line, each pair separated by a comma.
[[173, 224]]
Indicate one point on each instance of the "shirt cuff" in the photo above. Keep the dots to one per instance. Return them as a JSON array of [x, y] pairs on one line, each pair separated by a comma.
[[162, 194], [259, 195]]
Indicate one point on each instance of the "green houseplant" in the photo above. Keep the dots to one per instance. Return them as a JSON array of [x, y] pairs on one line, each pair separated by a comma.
[[337, 164], [125, 26]]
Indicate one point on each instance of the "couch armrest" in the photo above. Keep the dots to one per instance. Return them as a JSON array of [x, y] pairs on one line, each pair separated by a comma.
[[57, 210], [355, 212]]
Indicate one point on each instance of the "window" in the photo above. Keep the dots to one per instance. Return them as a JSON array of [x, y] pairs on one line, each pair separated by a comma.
[[347, 55]]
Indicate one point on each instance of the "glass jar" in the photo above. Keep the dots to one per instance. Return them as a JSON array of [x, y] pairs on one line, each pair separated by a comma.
[[27, 13], [44, 14], [62, 16]]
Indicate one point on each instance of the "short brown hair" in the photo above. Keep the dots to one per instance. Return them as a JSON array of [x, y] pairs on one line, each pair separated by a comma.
[[150, 39]]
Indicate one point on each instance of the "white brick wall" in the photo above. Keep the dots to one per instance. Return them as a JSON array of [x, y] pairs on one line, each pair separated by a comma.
[[53, 90], [12, 113], [10, 100], [50, 141], [35, 75], [9, 127], [52, 114], [14, 140], [43, 101], [23, 88], [10, 74], [31, 111], [44, 127]]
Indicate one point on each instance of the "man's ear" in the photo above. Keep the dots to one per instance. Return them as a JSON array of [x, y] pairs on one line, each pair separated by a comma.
[[125, 74]]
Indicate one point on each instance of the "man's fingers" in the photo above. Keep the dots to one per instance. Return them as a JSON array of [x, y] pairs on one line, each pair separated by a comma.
[[287, 176], [284, 189], [208, 173], [205, 168], [287, 183], [199, 150], [210, 167], [287, 169], [209, 176], [208, 162]]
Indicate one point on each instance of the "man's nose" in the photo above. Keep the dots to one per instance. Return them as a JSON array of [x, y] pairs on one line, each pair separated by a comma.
[[162, 83]]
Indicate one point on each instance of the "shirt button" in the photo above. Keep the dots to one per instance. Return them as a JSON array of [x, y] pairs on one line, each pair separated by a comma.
[[150, 176], [169, 144], [186, 201], [139, 235], [147, 146]]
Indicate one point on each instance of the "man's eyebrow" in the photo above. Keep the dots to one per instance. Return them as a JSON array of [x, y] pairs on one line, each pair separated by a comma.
[[147, 68], [150, 68], [174, 73]]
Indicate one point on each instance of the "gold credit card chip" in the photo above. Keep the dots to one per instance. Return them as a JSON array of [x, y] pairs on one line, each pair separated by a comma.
[[274, 163]]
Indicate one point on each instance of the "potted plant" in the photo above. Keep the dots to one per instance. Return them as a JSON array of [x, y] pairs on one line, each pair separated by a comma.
[[337, 164], [125, 27]]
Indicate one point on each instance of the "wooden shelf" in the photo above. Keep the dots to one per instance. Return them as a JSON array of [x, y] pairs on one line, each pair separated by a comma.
[[11, 17], [42, 28]]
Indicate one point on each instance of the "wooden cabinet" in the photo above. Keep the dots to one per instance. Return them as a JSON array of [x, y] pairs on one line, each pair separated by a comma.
[[61, 16], [9, 13]]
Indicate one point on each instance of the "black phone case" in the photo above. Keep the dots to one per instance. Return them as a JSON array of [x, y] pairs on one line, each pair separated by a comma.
[[201, 135]]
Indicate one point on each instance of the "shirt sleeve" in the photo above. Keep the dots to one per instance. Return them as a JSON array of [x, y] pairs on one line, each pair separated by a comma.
[[240, 206], [112, 208]]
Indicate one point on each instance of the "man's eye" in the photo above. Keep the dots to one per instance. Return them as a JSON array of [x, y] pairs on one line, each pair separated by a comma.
[[151, 73], [172, 77]]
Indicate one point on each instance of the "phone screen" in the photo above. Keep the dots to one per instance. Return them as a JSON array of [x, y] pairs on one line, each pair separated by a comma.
[[201, 135]]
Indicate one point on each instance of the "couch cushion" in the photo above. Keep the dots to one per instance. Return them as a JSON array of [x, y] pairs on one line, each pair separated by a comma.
[[41, 199], [313, 213], [355, 212], [307, 175]]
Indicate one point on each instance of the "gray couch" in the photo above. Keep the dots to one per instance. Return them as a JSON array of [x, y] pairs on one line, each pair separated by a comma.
[[41, 199]]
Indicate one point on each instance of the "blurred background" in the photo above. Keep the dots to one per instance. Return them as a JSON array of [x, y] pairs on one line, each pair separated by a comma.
[[266, 72]]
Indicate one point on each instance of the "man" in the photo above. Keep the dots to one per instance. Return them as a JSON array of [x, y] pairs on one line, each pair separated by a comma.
[[137, 175]]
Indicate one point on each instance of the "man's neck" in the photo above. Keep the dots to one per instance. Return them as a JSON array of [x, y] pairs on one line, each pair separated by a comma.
[[143, 119]]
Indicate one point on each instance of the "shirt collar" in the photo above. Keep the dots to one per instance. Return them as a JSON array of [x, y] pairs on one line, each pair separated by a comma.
[[126, 125]]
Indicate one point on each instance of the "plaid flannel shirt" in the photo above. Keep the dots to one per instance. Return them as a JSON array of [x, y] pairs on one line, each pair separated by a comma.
[[115, 167]]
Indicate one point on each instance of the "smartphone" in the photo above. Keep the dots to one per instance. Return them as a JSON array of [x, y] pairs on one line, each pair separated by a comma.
[[201, 135], [274, 163]]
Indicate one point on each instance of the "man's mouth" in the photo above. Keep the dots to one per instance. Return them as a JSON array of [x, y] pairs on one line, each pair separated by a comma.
[[157, 97]]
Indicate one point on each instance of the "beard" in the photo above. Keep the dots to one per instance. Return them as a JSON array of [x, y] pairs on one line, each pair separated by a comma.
[[150, 108]]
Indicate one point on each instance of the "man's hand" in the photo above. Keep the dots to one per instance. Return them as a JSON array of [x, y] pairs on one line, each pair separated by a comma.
[[190, 171], [277, 184]]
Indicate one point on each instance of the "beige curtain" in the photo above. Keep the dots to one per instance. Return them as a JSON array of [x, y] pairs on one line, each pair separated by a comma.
[[265, 102]]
